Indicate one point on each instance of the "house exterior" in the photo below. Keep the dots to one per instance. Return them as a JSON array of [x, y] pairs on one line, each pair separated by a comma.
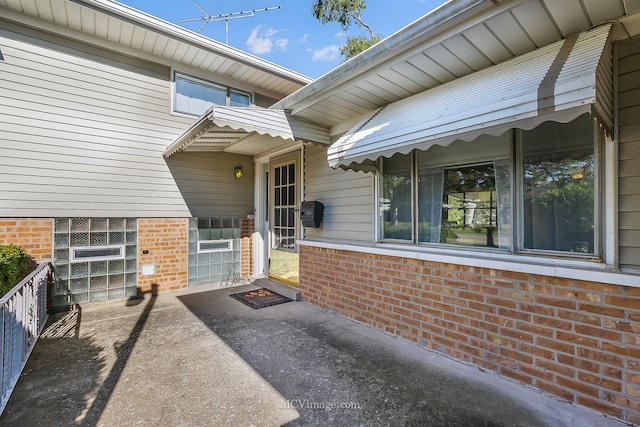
[[478, 172], [92, 94], [479, 190]]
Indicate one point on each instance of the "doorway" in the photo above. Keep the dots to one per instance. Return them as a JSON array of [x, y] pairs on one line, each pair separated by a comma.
[[284, 222]]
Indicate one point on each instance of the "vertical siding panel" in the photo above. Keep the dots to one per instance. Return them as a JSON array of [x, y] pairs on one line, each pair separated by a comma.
[[629, 154], [83, 131], [347, 197]]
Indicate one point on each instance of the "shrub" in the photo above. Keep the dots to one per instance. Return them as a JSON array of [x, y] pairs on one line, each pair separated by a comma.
[[14, 263]]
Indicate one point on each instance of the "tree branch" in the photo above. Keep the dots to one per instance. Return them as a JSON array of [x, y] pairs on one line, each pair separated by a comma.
[[363, 24]]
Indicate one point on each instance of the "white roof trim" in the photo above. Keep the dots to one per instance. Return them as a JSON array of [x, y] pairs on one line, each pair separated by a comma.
[[221, 127], [442, 20], [179, 33], [558, 82]]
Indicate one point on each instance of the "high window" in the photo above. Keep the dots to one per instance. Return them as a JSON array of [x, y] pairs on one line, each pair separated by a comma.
[[524, 191], [195, 96]]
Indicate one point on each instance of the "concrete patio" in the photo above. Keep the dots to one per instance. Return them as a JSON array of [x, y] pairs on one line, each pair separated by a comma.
[[204, 359]]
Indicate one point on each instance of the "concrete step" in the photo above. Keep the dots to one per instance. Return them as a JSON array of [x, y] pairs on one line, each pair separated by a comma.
[[279, 288]]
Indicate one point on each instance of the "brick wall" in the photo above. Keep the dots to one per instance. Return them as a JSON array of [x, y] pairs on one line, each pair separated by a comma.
[[575, 339], [246, 246], [33, 234], [166, 241]]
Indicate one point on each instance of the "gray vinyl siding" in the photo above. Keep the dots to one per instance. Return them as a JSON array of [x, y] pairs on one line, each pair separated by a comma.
[[347, 197], [629, 154], [83, 132], [209, 186], [263, 100]]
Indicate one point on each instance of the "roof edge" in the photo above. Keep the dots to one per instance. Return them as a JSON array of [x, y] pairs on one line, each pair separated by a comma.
[[440, 20], [183, 140], [175, 31]]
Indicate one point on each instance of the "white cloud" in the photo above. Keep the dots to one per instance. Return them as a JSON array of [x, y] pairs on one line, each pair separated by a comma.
[[282, 43], [263, 41], [327, 53], [260, 43]]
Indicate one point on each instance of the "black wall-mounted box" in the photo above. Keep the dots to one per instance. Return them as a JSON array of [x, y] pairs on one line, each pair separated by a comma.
[[311, 214]]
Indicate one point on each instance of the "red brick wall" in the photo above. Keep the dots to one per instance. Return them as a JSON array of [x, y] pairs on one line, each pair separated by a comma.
[[246, 246], [575, 339], [166, 241], [34, 235]]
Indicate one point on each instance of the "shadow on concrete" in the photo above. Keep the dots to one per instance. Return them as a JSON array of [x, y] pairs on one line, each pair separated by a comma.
[[61, 373], [336, 372], [64, 372], [123, 351]]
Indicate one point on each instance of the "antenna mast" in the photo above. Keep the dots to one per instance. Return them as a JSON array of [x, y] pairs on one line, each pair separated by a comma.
[[226, 17]]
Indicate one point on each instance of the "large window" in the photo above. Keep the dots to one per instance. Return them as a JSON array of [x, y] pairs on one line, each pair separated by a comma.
[[521, 191], [558, 193], [195, 96]]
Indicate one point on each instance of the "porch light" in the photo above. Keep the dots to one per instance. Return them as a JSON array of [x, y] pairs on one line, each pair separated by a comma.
[[238, 171], [577, 173]]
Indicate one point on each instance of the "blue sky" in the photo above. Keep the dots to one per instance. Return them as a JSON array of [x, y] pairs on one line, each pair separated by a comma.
[[289, 36]]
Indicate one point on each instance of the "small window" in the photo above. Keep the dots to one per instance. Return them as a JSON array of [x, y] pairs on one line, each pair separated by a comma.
[[195, 96], [205, 246], [96, 253], [239, 99]]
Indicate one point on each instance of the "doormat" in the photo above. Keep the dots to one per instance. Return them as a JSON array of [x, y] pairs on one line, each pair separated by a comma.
[[260, 298]]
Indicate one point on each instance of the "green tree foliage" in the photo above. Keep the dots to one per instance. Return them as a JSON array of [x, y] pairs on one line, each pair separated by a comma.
[[472, 178], [357, 44], [345, 13], [14, 262]]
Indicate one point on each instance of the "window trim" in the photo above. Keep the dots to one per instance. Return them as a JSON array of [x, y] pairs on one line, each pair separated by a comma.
[[74, 250], [238, 91], [228, 89], [414, 203], [229, 247], [597, 200]]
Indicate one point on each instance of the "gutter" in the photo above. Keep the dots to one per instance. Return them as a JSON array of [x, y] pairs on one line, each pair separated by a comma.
[[431, 28]]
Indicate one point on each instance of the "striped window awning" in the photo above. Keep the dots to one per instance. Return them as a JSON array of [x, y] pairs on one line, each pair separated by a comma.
[[245, 130], [556, 83]]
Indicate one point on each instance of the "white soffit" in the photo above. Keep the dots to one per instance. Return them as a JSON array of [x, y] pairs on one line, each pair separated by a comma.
[[238, 130], [559, 82], [459, 38], [150, 37]]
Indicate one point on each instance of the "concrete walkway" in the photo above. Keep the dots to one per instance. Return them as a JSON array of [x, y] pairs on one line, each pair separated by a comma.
[[205, 359]]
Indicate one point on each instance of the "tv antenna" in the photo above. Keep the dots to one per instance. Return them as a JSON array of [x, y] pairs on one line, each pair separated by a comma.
[[226, 17]]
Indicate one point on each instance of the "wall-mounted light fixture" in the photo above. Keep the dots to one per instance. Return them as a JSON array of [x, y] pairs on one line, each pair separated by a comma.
[[238, 171], [577, 173]]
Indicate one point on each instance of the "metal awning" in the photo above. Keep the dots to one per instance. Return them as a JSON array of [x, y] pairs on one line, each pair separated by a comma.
[[243, 130], [559, 82]]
